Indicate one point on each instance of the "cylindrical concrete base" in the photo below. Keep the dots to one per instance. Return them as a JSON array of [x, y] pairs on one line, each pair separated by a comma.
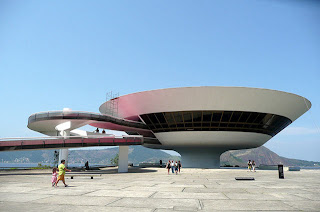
[[123, 159], [200, 157], [63, 154]]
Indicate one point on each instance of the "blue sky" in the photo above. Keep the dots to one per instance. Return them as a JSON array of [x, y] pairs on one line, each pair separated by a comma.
[[57, 54]]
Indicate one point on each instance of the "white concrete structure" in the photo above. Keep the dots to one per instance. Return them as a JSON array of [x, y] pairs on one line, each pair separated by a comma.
[[123, 159], [198, 122]]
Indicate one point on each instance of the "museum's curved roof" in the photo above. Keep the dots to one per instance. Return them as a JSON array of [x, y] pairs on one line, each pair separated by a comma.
[[131, 106]]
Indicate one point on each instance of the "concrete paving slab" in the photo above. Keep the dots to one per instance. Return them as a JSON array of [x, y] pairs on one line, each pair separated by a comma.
[[235, 205], [116, 193], [311, 196], [80, 200], [23, 197], [304, 205], [185, 195], [138, 188], [34, 207], [72, 191], [153, 190], [214, 190], [15, 189], [250, 197], [156, 203], [181, 185], [287, 197]]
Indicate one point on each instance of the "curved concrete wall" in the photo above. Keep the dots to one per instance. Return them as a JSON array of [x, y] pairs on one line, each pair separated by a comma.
[[211, 98], [219, 139]]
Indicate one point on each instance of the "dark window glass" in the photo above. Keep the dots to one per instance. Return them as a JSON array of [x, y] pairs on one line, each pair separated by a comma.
[[188, 124], [157, 125], [235, 116], [198, 124], [197, 116], [161, 118], [187, 116], [266, 121], [205, 124], [244, 117], [223, 124], [180, 125], [216, 116], [269, 124], [252, 117], [226, 116], [146, 119], [169, 118], [178, 117], [259, 118], [231, 125], [207, 116], [214, 124], [164, 125], [153, 118]]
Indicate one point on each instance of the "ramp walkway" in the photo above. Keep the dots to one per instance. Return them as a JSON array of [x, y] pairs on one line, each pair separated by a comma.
[[54, 142]]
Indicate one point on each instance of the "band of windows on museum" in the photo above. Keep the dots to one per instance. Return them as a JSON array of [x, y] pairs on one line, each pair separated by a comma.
[[264, 123]]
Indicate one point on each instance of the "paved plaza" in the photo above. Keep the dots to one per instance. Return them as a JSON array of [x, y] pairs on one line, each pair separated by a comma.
[[152, 189]]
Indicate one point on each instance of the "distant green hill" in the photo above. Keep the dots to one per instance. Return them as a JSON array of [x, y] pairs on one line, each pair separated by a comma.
[[261, 155], [138, 154]]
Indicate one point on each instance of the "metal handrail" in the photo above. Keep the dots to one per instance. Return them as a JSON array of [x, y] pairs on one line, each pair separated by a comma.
[[85, 115], [67, 137], [84, 112]]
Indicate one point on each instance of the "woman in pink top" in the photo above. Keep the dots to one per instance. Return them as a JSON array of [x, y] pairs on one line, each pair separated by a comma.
[[54, 177]]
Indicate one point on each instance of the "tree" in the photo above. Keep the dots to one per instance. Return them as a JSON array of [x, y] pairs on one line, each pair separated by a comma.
[[114, 161]]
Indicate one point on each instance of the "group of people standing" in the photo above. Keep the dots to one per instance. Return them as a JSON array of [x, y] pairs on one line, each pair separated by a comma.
[[174, 166], [251, 165]]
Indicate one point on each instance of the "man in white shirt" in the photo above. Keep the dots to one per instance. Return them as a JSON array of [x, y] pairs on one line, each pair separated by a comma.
[[172, 166]]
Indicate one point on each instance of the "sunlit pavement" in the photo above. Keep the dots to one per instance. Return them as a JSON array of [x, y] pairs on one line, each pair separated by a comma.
[[152, 189]]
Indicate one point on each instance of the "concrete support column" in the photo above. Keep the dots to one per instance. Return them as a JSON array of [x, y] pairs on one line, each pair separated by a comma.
[[123, 159], [200, 157], [63, 153]]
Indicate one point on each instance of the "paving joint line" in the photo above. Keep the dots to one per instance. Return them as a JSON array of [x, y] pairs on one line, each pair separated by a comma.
[[87, 193], [225, 195], [125, 187], [151, 196], [114, 201], [200, 204]]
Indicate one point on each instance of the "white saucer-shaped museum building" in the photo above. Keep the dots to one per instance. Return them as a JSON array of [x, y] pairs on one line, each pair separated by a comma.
[[198, 122], [203, 122]]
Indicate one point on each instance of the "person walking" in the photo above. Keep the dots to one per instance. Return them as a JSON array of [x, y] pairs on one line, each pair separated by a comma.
[[176, 167], [179, 166], [62, 171], [54, 177], [168, 166], [172, 167], [253, 166], [249, 165]]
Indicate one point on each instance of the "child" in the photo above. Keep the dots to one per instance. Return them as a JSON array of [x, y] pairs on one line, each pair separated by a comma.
[[54, 177]]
